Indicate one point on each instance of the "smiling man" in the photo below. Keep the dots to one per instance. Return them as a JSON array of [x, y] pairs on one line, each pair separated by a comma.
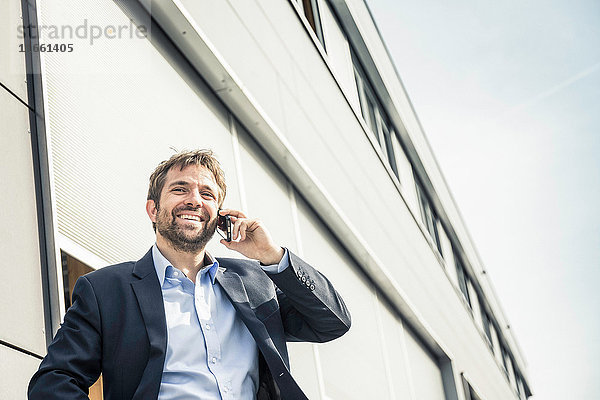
[[180, 324]]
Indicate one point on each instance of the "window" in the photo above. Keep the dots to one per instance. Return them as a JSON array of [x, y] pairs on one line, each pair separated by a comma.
[[399, 153], [486, 321], [311, 12], [511, 373], [520, 388], [469, 391], [374, 115], [429, 217], [386, 141], [462, 279], [504, 357]]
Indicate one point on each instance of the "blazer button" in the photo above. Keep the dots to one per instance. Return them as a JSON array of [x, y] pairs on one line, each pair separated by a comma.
[[312, 287], [299, 273], [303, 279]]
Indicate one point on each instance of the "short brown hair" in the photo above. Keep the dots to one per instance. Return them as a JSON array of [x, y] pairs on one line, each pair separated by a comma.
[[203, 157]]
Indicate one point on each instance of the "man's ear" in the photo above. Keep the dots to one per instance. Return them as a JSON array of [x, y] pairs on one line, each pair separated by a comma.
[[151, 210]]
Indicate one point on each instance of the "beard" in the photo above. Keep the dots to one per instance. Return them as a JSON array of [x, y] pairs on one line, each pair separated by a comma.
[[187, 239]]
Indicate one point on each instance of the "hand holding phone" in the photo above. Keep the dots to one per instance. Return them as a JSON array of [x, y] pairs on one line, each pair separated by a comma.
[[249, 237]]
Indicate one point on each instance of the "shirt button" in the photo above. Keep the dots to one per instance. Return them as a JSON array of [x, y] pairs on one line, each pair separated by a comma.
[[207, 327], [214, 360]]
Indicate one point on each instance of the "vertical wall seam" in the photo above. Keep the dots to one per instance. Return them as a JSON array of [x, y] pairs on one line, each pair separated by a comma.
[[48, 263], [411, 385], [300, 251], [384, 349], [237, 159]]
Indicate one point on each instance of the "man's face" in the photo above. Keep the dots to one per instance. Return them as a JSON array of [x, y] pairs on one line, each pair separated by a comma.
[[187, 212]]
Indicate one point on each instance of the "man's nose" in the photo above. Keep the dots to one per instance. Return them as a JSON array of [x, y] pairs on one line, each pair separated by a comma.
[[194, 199]]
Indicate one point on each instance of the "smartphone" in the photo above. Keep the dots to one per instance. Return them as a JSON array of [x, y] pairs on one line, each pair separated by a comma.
[[224, 224]]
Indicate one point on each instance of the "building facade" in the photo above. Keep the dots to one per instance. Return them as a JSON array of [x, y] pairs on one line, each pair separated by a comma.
[[317, 136]]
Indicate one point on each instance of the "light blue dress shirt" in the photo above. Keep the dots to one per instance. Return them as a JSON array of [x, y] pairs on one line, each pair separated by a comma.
[[210, 352]]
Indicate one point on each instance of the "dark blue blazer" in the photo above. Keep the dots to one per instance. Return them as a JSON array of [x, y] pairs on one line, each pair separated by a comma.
[[117, 327]]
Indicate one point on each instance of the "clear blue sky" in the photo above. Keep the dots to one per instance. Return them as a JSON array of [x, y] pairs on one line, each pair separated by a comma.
[[508, 93]]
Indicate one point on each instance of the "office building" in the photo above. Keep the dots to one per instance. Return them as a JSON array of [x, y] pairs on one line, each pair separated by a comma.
[[302, 104]]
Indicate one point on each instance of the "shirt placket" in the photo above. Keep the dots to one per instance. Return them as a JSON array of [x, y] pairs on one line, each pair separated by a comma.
[[205, 305]]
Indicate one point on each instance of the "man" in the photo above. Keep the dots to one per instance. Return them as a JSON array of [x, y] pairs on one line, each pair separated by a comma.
[[179, 324]]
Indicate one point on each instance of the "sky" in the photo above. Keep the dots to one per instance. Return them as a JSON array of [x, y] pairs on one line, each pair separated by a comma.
[[508, 94]]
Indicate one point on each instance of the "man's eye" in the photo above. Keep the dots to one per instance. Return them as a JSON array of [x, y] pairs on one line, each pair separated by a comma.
[[208, 194], [178, 190]]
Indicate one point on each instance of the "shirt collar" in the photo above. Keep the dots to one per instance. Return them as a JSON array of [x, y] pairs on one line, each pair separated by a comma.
[[161, 263], [212, 270]]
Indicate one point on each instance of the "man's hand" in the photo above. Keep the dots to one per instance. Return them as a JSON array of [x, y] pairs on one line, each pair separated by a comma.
[[254, 240]]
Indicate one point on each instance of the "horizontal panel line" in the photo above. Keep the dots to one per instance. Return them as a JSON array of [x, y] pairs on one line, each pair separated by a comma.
[[17, 348]]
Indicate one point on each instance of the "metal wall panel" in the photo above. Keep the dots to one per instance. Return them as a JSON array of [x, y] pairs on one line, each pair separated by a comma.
[[234, 18], [338, 54], [16, 369], [399, 377], [427, 378], [357, 357], [12, 61], [21, 304], [266, 192], [112, 123], [303, 365]]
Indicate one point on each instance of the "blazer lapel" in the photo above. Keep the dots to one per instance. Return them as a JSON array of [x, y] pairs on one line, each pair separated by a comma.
[[149, 296], [233, 286]]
